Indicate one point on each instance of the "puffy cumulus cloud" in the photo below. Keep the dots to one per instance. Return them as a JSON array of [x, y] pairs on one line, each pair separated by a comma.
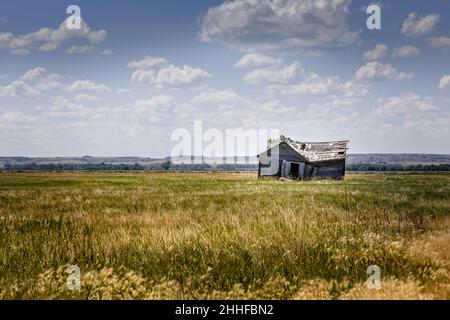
[[17, 88], [11, 117], [415, 25], [33, 82], [85, 97], [88, 49], [409, 105], [81, 49], [410, 112], [49, 39], [87, 85], [437, 126], [218, 97], [42, 80], [148, 62], [292, 79], [278, 24], [61, 107], [256, 60], [377, 70], [106, 52], [444, 83], [162, 109], [64, 109], [329, 119], [253, 113], [440, 42], [274, 106], [405, 51], [162, 102], [159, 73], [228, 108], [317, 85], [274, 74], [380, 51]]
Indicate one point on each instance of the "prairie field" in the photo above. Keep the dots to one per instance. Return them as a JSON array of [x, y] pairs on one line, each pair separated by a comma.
[[175, 235]]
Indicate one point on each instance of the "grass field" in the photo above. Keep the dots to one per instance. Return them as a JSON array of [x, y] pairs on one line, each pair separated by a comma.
[[223, 235]]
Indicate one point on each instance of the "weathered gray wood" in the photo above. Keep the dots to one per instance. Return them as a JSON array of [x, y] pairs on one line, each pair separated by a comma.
[[317, 159]]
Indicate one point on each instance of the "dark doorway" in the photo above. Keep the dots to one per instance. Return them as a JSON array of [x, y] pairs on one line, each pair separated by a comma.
[[294, 172]]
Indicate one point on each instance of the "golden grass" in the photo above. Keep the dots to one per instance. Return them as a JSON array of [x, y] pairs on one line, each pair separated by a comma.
[[223, 235]]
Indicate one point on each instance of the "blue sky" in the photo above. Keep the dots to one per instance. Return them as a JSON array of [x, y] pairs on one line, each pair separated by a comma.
[[138, 70]]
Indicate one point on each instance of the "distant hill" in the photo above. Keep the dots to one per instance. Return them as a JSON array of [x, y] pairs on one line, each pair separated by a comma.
[[397, 158], [355, 162]]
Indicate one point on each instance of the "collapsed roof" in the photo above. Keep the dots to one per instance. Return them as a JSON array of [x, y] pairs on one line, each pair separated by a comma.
[[314, 151]]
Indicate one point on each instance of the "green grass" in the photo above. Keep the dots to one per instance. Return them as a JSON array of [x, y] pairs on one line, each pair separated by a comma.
[[223, 235]]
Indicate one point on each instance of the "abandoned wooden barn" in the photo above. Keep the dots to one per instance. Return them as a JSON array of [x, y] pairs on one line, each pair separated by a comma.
[[286, 158]]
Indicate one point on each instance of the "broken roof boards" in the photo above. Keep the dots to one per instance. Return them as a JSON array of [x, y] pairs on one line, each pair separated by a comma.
[[303, 160]]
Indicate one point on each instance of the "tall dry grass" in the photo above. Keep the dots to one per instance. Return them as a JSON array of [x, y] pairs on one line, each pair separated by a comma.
[[223, 235]]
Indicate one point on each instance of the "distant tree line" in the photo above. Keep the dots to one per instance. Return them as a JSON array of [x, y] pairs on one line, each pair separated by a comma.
[[73, 166], [157, 166], [397, 167], [167, 165]]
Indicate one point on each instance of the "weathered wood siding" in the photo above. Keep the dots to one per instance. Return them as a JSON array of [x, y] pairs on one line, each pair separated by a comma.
[[330, 169], [333, 169], [286, 153]]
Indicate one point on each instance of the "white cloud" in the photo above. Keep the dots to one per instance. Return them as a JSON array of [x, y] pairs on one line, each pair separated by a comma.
[[331, 118], [41, 79], [377, 70], [278, 24], [274, 106], [17, 88], [88, 49], [33, 82], [410, 112], [87, 85], [376, 53], [85, 97], [440, 42], [409, 105], [444, 83], [5, 39], [159, 73], [80, 49], [293, 80], [11, 118], [415, 25], [62, 107], [274, 74], [406, 51], [217, 97], [162, 102], [317, 85], [256, 60], [106, 52], [148, 62], [49, 39]]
